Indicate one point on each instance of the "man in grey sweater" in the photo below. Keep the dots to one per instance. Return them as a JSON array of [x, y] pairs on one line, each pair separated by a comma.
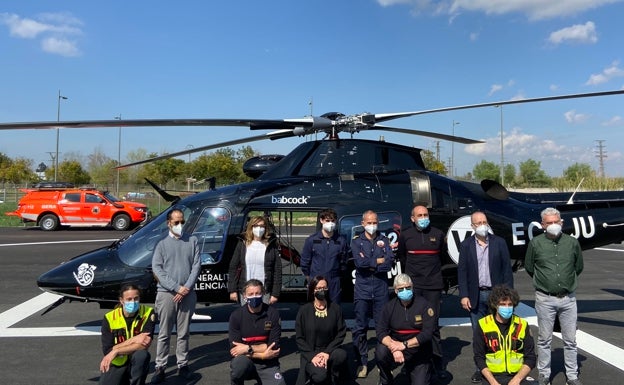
[[176, 266]]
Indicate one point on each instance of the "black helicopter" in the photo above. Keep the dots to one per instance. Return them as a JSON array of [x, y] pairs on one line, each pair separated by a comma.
[[349, 175]]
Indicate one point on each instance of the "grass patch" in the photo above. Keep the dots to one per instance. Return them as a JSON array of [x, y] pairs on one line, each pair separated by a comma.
[[9, 221]]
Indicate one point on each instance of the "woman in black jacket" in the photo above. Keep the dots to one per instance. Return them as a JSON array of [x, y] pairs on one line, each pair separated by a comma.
[[320, 330], [256, 257]]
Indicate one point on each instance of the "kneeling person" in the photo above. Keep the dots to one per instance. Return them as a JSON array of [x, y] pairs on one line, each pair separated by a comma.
[[504, 350], [127, 333], [254, 334], [404, 331]]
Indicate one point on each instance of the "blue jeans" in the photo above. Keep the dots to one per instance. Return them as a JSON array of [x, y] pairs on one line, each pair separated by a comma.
[[548, 308]]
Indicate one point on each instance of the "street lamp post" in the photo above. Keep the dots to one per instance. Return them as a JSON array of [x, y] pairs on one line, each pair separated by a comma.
[[58, 119], [502, 159], [453, 150], [118, 153]]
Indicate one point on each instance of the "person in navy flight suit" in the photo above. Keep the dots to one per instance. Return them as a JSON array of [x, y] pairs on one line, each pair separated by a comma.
[[373, 260], [324, 254], [484, 262]]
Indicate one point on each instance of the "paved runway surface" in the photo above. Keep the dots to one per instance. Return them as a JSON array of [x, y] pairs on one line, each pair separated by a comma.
[[63, 346]]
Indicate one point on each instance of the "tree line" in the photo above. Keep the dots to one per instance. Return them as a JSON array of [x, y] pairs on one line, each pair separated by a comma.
[[98, 169]]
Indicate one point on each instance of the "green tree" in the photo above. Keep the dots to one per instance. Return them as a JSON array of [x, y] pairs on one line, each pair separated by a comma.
[[72, 171], [532, 175], [510, 174], [101, 168], [578, 171], [486, 170], [432, 163], [165, 171]]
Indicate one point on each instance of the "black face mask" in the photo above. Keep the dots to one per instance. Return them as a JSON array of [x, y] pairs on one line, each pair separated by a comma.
[[320, 295]]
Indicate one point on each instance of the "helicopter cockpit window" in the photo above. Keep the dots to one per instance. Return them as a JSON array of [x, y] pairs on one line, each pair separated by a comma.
[[211, 231], [390, 223], [138, 248]]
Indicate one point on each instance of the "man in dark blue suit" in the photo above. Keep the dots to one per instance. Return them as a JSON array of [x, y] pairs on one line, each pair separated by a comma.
[[484, 262]]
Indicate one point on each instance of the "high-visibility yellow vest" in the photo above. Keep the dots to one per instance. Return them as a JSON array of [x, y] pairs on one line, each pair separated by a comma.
[[504, 354], [120, 331]]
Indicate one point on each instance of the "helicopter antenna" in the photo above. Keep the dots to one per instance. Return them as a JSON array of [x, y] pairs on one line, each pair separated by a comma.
[[571, 200]]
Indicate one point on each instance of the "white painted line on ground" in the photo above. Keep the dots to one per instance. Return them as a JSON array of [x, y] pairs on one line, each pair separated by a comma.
[[26, 309], [58, 242], [609, 249]]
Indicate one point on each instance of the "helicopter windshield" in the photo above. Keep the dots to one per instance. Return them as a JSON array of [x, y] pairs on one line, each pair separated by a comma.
[[208, 223]]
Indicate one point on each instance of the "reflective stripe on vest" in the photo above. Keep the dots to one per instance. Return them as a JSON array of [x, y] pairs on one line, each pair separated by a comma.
[[119, 329], [504, 354]]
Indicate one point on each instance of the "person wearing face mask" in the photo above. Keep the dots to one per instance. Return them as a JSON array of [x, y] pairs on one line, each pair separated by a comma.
[[254, 332], [504, 350], [127, 333], [373, 259], [256, 257], [404, 331], [175, 264], [484, 262], [554, 260], [420, 251], [325, 253], [320, 331]]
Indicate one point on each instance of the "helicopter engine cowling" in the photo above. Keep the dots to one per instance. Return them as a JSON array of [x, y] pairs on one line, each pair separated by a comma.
[[258, 165]]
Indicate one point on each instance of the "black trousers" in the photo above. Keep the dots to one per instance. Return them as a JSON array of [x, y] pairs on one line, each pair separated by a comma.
[[418, 368], [133, 373]]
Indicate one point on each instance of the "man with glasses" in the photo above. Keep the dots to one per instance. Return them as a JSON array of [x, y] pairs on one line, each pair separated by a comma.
[[176, 265], [484, 262], [554, 260], [405, 331], [324, 254]]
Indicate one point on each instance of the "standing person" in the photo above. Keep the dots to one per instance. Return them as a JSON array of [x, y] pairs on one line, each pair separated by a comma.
[[320, 331], [256, 257], [254, 335], [324, 254], [420, 251], [127, 333], [176, 265], [484, 262], [502, 343], [554, 260], [373, 260], [404, 331]]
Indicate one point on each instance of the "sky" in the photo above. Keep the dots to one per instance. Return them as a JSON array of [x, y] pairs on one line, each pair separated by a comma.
[[288, 59]]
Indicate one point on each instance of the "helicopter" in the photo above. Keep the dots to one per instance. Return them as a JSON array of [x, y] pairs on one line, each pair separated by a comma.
[[349, 175]]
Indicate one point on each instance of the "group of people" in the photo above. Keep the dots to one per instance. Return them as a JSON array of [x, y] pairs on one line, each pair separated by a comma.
[[406, 326]]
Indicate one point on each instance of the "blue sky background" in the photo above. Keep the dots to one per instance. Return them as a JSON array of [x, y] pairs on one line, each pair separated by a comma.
[[269, 59]]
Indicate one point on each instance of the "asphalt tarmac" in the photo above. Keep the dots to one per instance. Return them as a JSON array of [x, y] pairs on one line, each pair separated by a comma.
[[63, 346]]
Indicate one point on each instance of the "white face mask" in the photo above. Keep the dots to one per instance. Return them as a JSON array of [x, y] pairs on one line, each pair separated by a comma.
[[329, 226], [258, 231], [177, 229], [371, 229], [482, 230], [554, 229]]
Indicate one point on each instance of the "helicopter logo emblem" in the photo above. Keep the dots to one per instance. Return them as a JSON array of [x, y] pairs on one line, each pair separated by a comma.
[[85, 274]]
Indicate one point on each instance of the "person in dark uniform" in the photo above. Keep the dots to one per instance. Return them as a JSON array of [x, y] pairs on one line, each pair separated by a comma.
[[324, 254], [254, 335], [373, 260], [320, 331], [504, 350], [421, 249], [404, 331], [127, 333]]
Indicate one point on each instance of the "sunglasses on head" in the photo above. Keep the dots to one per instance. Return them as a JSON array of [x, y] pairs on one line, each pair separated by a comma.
[[175, 223]]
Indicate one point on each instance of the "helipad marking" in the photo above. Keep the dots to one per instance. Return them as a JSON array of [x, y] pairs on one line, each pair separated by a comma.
[[596, 347], [58, 242]]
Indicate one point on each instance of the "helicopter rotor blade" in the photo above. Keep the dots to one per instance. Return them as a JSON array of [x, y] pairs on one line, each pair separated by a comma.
[[451, 138], [272, 136], [385, 117]]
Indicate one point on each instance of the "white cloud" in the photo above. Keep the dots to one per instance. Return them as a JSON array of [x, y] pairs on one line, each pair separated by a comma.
[[533, 9], [54, 30], [572, 117], [474, 36], [517, 145], [578, 33], [494, 89], [606, 75], [614, 121]]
